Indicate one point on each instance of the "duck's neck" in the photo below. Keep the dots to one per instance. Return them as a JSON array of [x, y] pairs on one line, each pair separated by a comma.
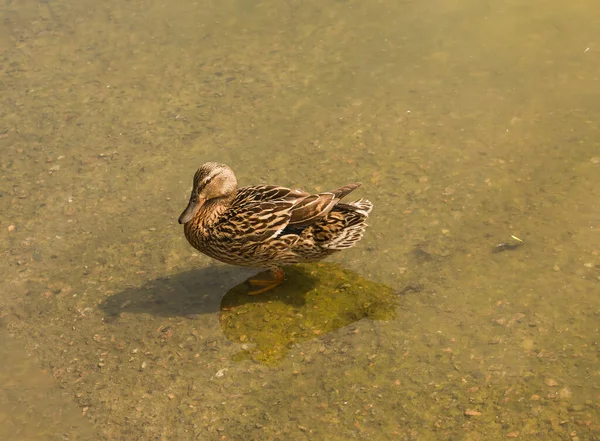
[[206, 216]]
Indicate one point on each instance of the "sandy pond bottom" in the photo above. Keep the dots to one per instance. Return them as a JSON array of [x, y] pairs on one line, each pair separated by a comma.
[[32, 408]]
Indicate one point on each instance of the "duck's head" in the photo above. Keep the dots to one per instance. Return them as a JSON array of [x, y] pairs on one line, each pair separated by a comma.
[[211, 181]]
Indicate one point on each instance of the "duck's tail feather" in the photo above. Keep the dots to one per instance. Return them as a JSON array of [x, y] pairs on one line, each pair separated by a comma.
[[355, 216]]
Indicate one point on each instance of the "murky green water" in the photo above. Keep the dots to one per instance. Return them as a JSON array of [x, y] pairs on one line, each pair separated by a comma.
[[466, 121]]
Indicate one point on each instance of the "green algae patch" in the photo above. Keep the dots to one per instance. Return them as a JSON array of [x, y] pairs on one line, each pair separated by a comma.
[[314, 300]]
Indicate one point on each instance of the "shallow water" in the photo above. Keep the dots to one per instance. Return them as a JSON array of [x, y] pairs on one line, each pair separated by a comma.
[[466, 121], [32, 407]]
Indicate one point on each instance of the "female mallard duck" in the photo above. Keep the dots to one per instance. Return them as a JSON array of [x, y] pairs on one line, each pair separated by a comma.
[[268, 226]]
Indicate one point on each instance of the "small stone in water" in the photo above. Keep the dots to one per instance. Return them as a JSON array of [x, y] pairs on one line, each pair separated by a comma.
[[565, 393]]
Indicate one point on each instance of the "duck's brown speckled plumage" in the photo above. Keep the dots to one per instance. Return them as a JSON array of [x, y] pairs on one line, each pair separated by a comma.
[[268, 226]]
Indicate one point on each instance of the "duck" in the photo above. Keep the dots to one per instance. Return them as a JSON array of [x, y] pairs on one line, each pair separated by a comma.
[[268, 226]]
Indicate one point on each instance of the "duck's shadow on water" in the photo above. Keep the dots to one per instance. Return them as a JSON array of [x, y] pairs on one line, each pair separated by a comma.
[[202, 291], [315, 299]]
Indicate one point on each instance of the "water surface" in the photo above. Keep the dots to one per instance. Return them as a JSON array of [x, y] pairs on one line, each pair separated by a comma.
[[466, 121]]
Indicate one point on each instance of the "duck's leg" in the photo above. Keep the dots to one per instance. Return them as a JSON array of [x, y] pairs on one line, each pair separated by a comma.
[[265, 281]]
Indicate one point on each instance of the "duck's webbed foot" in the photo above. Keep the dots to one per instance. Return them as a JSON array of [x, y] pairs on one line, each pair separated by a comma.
[[265, 281]]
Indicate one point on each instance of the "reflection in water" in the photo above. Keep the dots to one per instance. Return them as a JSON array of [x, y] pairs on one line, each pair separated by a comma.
[[316, 299]]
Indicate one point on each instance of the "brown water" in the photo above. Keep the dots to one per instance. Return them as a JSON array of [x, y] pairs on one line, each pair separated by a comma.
[[466, 121]]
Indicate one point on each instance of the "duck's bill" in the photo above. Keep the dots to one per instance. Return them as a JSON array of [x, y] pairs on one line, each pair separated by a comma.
[[190, 211]]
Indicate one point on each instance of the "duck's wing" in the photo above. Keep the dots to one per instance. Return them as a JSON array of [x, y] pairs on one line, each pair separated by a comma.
[[263, 212], [257, 213], [311, 208]]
